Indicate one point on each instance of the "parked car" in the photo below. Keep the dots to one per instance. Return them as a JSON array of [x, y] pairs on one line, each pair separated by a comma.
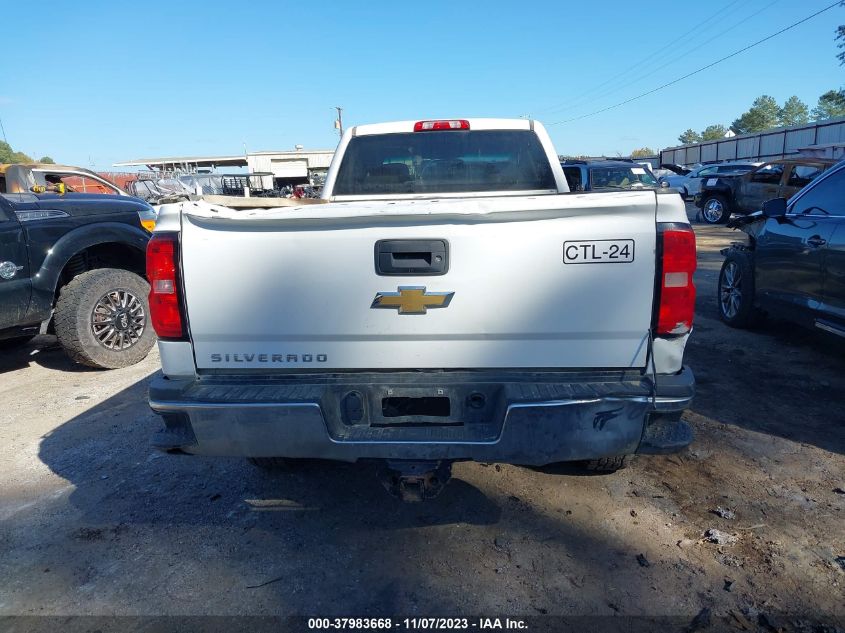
[[722, 195], [793, 262], [689, 184], [72, 253], [608, 175], [444, 302]]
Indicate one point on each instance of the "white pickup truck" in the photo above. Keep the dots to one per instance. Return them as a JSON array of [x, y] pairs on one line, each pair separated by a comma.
[[450, 300]]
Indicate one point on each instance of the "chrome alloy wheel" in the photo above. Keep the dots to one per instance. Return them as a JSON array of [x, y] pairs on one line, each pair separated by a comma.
[[118, 320], [713, 210], [730, 290]]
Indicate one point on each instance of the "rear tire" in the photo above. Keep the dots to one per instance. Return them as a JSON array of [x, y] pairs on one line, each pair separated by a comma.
[[714, 209], [95, 301], [735, 291], [608, 464]]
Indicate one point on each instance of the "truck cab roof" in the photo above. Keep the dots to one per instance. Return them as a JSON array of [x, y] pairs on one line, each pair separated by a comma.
[[397, 127]]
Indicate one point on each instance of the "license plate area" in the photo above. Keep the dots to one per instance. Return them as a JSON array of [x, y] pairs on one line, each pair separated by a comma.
[[411, 406], [598, 252], [426, 406], [415, 406]]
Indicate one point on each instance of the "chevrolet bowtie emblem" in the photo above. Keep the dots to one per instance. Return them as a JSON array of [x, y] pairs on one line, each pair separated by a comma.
[[412, 300]]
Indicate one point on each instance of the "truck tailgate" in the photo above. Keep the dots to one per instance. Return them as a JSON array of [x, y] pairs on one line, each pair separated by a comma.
[[295, 290]]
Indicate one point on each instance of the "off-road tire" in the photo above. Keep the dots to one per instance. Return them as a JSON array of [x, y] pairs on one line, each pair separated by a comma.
[[73, 318], [14, 343], [269, 463], [608, 464], [716, 198], [745, 315]]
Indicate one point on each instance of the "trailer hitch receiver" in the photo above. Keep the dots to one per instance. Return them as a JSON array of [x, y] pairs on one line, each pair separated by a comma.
[[415, 481]]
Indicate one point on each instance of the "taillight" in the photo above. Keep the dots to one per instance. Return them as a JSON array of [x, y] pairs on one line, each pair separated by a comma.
[[148, 219], [677, 292], [427, 126], [162, 273]]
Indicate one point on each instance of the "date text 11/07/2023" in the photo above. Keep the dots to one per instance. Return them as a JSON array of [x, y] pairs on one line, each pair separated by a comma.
[[417, 624]]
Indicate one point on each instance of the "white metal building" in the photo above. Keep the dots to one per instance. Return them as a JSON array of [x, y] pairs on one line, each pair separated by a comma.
[[296, 167], [760, 146]]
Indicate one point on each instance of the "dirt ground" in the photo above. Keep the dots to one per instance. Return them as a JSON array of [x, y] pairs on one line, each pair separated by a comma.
[[94, 522]]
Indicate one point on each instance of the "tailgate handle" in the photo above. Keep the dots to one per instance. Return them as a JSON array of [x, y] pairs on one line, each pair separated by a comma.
[[412, 257]]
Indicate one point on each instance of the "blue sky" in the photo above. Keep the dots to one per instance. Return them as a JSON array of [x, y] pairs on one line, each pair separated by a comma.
[[106, 81]]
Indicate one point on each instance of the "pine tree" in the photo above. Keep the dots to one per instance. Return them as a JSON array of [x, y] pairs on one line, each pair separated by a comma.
[[794, 112], [763, 114]]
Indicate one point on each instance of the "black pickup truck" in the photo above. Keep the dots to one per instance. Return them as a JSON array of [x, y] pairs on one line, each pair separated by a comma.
[[72, 261], [745, 193]]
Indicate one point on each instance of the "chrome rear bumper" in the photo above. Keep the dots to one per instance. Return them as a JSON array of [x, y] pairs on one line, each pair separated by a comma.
[[530, 418]]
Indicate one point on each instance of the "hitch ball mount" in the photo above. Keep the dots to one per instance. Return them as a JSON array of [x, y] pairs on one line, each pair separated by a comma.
[[415, 481]]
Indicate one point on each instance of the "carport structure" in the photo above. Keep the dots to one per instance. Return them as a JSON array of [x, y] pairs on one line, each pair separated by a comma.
[[295, 167]]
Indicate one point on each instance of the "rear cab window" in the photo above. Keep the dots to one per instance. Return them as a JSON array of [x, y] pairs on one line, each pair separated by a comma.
[[464, 161]]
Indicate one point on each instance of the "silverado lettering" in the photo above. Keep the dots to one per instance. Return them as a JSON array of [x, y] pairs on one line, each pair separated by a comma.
[[269, 358]]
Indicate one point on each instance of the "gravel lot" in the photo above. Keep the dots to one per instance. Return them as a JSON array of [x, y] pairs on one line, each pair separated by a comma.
[[93, 521]]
